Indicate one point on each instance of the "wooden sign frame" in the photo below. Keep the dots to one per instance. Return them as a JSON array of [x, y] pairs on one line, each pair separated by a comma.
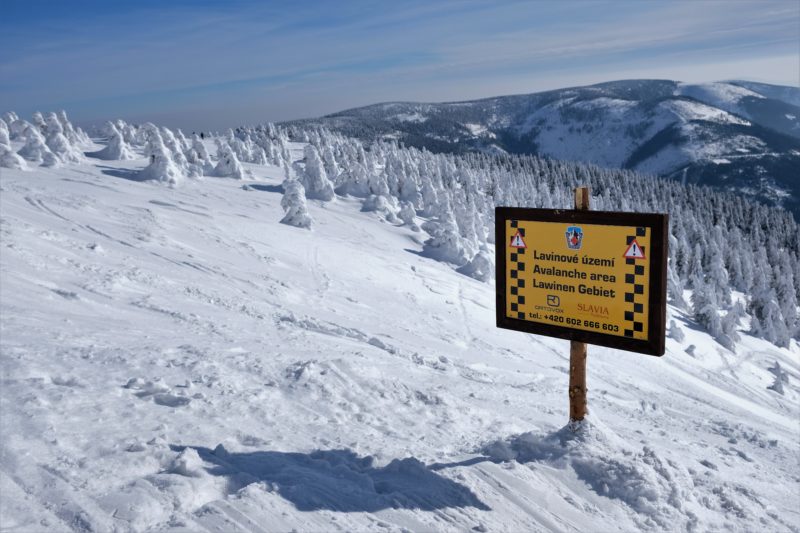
[[657, 258]]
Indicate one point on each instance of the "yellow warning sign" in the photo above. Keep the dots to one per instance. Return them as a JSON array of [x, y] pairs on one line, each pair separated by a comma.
[[579, 276], [583, 274]]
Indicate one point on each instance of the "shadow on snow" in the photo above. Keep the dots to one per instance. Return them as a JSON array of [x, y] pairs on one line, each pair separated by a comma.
[[339, 480], [124, 173], [266, 188]]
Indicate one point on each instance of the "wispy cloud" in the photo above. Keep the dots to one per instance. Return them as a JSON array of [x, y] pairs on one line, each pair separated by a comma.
[[241, 60]]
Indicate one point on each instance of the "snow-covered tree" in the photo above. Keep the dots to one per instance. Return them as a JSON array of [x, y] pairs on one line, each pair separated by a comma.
[[228, 165], [74, 135], [58, 143], [786, 294], [35, 149], [175, 149], [429, 197], [315, 179], [182, 140], [706, 312], [294, 205], [408, 215], [200, 148], [445, 242], [161, 168], [9, 117], [766, 320], [9, 159], [16, 126], [331, 166], [354, 181], [38, 121], [116, 149]]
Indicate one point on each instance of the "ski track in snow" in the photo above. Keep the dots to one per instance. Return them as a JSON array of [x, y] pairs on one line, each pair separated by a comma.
[[177, 360]]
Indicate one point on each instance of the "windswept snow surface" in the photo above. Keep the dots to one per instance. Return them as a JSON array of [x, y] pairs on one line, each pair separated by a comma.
[[175, 359]]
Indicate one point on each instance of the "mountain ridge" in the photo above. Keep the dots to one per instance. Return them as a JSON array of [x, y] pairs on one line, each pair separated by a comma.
[[739, 135]]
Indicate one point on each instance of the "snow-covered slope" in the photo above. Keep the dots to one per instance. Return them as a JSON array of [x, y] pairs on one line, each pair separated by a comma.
[[789, 95], [174, 359], [735, 135]]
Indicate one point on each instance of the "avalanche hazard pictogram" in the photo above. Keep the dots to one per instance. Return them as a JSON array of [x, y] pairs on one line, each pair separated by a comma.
[[634, 251], [517, 241]]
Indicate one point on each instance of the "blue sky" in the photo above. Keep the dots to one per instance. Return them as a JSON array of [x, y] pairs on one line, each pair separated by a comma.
[[218, 64]]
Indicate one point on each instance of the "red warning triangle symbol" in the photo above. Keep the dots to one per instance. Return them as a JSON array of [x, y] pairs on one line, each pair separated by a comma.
[[517, 241], [634, 251]]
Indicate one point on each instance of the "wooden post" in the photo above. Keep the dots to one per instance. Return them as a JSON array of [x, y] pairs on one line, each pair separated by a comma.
[[578, 350]]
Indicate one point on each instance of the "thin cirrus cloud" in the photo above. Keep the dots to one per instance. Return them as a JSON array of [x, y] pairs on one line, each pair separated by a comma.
[[211, 65]]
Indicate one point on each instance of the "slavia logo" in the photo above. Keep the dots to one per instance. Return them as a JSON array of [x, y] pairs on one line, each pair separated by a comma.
[[574, 237]]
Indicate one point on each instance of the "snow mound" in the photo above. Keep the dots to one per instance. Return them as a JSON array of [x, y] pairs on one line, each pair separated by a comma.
[[660, 489], [480, 267]]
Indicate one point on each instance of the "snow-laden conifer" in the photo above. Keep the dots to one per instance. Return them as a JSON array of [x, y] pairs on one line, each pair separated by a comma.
[[408, 215], [430, 199], [354, 181], [329, 160], [8, 158], [129, 132], [445, 242], [182, 140], [116, 149], [315, 179], [294, 204], [228, 165], [766, 320], [76, 136], [35, 149], [175, 149], [58, 142], [200, 148], [786, 294], [161, 167], [16, 126], [675, 289], [38, 120], [9, 117]]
